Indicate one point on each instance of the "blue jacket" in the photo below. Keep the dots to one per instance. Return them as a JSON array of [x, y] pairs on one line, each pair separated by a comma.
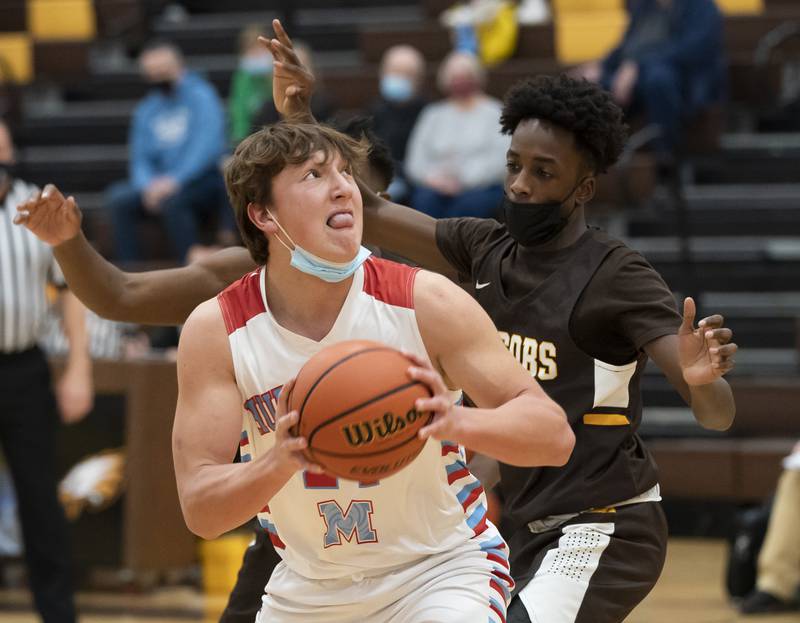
[[695, 49], [181, 135]]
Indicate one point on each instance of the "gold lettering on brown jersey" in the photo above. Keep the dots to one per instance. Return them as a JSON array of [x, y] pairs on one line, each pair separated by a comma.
[[548, 369], [537, 357], [529, 350]]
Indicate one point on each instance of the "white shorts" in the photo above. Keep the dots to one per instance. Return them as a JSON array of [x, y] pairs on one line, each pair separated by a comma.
[[466, 586]]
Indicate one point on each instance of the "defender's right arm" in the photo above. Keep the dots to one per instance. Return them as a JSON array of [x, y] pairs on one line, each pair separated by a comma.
[[216, 495], [404, 231], [153, 297]]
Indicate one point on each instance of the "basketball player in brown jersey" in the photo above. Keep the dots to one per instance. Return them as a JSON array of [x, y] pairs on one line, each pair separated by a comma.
[[580, 311]]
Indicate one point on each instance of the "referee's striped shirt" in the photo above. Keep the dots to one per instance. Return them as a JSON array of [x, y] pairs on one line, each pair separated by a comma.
[[26, 266]]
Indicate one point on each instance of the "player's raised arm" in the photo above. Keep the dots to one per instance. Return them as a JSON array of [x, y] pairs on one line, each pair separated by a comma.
[[216, 495], [154, 297], [515, 422]]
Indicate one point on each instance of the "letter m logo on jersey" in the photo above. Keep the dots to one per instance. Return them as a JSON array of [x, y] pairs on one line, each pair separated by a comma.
[[357, 520]]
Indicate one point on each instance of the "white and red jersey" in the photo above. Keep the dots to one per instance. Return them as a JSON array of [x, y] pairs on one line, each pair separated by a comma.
[[325, 528]]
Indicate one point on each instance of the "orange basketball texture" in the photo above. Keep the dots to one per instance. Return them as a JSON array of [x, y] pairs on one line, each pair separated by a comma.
[[356, 406]]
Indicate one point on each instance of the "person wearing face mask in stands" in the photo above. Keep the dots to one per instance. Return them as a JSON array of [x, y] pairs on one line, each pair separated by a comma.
[[251, 85], [397, 109], [177, 139], [455, 153]]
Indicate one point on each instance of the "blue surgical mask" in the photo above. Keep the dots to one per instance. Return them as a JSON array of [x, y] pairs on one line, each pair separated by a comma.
[[259, 65], [396, 88], [307, 262]]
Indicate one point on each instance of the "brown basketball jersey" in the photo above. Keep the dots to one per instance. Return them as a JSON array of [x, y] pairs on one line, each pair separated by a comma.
[[533, 299]]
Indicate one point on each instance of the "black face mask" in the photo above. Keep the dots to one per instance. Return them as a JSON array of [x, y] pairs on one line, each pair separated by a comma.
[[166, 87], [532, 224]]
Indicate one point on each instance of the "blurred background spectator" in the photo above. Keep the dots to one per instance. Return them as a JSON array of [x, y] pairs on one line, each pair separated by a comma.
[[177, 140], [398, 107], [486, 28], [669, 66], [456, 154], [778, 577], [251, 85]]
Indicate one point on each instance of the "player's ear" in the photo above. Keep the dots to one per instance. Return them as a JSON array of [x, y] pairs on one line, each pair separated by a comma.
[[586, 190], [260, 217]]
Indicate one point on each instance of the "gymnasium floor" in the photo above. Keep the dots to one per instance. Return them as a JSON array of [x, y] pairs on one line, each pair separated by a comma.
[[690, 591]]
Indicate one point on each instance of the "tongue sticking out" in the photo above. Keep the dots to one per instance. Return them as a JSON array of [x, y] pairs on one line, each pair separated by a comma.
[[340, 220]]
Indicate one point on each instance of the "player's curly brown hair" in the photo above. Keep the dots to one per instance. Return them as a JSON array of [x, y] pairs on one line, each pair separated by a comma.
[[264, 154]]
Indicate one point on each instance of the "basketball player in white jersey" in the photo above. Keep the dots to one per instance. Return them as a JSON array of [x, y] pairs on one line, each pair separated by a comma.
[[416, 547]]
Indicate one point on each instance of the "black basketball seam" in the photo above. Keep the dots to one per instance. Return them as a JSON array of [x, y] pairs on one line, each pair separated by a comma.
[[339, 416], [342, 455], [328, 371]]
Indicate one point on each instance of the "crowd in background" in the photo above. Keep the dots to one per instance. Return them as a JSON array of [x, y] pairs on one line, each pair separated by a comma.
[[668, 67]]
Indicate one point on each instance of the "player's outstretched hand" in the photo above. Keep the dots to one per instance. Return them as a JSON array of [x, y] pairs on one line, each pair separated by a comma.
[[707, 351], [444, 425], [287, 453], [292, 82], [50, 216]]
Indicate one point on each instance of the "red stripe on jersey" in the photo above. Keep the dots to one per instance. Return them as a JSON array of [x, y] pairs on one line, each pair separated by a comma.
[[276, 540], [265, 509], [498, 612], [496, 586], [451, 478], [481, 527], [241, 301], [506, 578], [320, 480], [498, 559], [390, 282], [474, 495], [447, 449]]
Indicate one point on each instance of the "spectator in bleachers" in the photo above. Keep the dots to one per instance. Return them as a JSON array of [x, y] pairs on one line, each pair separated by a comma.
[[456, 154], [669, 66], [177, 139], [251, 85], [486, 28], [321, 105], [399, 106], [778, 578]]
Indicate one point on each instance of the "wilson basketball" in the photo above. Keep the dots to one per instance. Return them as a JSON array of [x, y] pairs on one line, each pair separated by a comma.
[[356, 407]]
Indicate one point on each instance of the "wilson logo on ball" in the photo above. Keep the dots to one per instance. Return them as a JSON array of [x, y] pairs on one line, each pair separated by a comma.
[[363, 433]]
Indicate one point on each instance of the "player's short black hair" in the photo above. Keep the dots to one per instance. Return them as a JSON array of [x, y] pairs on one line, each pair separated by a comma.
[[577, 105], [379, 157]]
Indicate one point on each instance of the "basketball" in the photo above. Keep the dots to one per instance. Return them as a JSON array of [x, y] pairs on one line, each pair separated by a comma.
[[355, 402]]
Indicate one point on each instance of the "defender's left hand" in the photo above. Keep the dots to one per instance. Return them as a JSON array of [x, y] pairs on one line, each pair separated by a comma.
[[444, 425], [706, 352]]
